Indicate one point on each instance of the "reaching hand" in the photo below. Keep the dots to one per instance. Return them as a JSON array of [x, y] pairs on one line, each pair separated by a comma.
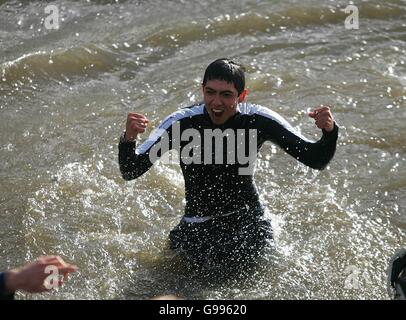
[[323, 118], [32, 276]]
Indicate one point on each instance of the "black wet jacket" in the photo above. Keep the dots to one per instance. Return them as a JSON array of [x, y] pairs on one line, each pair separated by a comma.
[[215, 189]]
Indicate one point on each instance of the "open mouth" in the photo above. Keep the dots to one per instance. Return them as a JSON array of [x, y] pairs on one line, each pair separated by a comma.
[[217, 113]]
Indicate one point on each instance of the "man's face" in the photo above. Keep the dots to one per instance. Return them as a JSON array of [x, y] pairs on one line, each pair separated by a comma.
[[221, 100]]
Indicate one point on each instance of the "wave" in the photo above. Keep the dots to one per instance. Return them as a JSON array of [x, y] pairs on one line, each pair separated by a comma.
[[60, 64], [250, 23]]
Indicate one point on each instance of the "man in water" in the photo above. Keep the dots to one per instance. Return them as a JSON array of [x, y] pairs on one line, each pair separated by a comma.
[[224, 220]]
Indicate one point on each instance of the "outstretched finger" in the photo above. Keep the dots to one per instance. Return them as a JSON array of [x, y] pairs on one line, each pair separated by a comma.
[[68, 269], [56, 261]]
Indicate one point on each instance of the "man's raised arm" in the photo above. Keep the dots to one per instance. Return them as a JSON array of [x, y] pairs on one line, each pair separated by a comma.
[[313, 154]]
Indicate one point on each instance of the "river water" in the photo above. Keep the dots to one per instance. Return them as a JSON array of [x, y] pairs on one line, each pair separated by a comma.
[[64, 96]]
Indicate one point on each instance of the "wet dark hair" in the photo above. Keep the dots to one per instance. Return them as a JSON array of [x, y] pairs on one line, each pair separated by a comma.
[[227, 70]]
